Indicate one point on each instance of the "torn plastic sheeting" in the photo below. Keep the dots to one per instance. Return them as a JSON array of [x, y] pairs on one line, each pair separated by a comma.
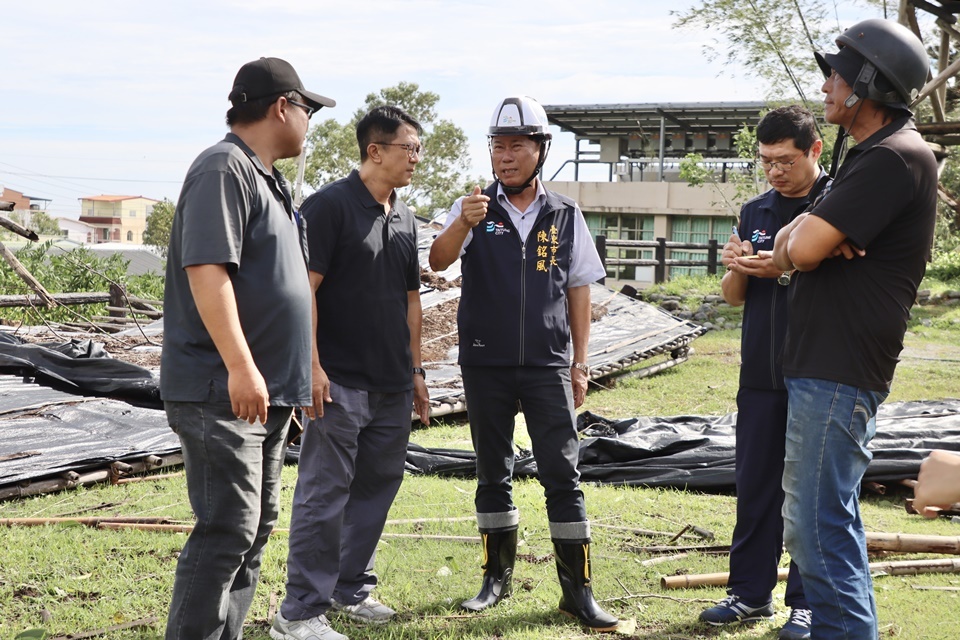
[[79, 365], [87, 434], [698, 452]]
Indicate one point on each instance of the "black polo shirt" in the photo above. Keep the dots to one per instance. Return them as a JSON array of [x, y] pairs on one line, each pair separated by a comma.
[[368, 260], [233, 211], [848, 317]]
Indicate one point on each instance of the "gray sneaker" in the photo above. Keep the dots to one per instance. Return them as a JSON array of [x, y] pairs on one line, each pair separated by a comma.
[[367, 611], [310, 629]]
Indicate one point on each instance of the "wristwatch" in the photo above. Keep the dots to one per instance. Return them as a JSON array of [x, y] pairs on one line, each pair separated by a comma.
[[784, 278], [420, 371], [582, 366]]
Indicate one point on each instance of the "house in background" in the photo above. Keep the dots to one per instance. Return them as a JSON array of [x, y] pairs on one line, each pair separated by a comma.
[[73, 229], [120, 219], [20, 201]]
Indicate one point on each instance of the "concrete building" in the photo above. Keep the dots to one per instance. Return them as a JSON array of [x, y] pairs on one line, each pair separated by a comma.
[[120, 219], [640, 147]]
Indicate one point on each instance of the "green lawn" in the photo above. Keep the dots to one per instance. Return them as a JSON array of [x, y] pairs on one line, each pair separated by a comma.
[[71, 579]]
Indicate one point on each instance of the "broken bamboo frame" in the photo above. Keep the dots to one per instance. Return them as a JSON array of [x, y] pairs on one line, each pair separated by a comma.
[[18, 229], [901, 568], [27, 277], [71, 479]]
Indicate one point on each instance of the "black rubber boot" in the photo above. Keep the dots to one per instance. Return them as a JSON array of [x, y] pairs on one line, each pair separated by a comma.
[[499, 556], [573, 569]]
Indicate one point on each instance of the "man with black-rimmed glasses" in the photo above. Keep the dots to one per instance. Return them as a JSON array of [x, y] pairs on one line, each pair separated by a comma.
[[367, 375]]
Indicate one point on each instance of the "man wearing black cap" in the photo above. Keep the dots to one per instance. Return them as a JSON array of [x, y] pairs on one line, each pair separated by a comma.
[[860, 251], [236, 349]]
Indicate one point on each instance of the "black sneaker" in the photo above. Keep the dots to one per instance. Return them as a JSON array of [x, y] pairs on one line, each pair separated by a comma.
[[733, 610], [798, 625]]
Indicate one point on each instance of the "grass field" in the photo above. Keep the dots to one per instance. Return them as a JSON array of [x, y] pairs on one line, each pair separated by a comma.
[[72, 579]]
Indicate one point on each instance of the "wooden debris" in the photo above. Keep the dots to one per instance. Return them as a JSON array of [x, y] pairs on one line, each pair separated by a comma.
[[135, 624], [901, 568]]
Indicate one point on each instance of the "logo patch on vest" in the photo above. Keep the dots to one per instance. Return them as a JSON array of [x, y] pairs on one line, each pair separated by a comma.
[[759, 236], [497, 228], [477, 342]]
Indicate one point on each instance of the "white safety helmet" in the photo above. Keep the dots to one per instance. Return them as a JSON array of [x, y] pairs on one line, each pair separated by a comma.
[[521, 116]]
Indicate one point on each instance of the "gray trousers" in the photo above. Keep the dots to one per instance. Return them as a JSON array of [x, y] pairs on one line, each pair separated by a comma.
[[233, 481], [545, 395], [351, 466]]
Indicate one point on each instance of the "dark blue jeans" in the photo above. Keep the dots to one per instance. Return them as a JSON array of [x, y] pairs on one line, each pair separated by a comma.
[[828, 428], [233, 481]]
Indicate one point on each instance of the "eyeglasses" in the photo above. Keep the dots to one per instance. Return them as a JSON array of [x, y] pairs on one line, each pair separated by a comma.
[[414, 151], [310, 110], [785, 167]]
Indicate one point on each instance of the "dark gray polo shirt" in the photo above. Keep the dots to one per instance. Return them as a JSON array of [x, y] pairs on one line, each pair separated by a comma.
[[232, 211], [368, 260]]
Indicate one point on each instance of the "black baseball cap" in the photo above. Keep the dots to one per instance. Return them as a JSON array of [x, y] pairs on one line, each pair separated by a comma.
[[271, 77]]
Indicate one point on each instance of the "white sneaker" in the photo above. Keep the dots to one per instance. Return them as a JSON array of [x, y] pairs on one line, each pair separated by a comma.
[[367, 611], [310, 629]]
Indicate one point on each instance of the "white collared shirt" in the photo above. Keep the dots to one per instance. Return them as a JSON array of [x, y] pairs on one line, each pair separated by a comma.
[[585, 264]]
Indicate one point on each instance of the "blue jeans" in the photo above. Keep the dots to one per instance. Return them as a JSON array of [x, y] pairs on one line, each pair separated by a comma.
[[828, 428], [233, 481]]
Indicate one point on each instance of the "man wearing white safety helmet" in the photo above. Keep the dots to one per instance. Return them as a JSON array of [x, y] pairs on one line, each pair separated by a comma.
[[528, 261]]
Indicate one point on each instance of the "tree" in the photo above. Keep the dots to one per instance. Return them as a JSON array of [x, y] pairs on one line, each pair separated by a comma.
[[37, 221], [774, 39], [440, 177], [159, 222]]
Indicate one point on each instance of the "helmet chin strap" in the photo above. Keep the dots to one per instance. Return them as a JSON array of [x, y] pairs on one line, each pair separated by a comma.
[[515, 190], [544, 148]]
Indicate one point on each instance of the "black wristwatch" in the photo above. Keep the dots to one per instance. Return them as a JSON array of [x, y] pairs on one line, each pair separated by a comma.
[[784, 278], [420, 371]]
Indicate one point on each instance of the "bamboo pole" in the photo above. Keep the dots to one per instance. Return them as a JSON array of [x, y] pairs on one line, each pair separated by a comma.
[[907, 543], [26, 276], [901, 568], [87, 522]]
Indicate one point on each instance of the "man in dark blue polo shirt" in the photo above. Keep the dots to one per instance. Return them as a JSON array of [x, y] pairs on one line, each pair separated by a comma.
[[789, 150], [367, 375], [236, 344]]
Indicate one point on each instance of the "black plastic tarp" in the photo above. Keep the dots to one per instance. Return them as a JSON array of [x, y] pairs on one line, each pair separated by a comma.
[[697, 452], [79, 366]]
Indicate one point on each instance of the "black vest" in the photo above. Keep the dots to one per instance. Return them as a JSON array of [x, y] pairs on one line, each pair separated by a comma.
[[513, 304]]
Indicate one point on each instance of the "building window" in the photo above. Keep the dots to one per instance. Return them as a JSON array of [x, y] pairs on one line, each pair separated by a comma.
[[105, 235], [133, 213], [624, 227], [129, 236], [696, 229]]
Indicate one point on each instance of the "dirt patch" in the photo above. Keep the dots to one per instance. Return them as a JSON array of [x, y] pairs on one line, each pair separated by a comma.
[[439, 330], [431, 279]]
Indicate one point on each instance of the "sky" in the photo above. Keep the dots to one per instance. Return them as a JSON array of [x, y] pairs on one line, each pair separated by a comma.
[[118, 97]]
